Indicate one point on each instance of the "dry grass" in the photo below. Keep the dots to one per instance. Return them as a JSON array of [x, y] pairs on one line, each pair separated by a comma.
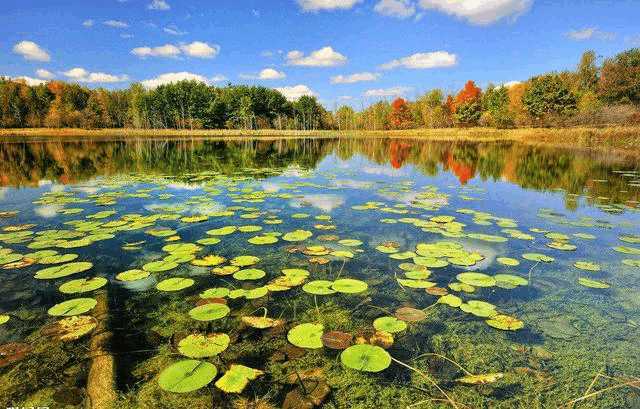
[[626, 138]]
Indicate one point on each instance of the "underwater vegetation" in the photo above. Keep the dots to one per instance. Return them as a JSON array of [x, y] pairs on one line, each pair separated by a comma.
[[337, 281]]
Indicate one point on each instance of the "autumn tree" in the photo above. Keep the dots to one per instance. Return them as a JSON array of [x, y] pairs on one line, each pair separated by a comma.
[[400, 116], [620, 78]]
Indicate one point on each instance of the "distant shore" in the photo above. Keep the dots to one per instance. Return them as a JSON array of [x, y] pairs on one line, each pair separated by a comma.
[[626, 138]]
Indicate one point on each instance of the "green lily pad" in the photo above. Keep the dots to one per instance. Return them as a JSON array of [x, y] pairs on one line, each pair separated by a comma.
[[481, 379], [256, 293], [237, 378], [631, 262], [203, 346], [420, 284], [219, 292], [244, 261], [222, 231], [560, 245], [174, 284], [209, 241], [538, 257], [297, 235], [187, 376], [179, 258], [505, 322], [462, 287], [63, 270], [57, 259], [262, 240], [76, 306], [431, 262], [350, 242], [389, 324], [181, 248], [306, 335], [249, 229], [83, 285], [349, 286], [319, 287], [159, 266], [476, 279], [249, 274], [4, 318], [587, 282], [132, 275], [627, 250], [507, 261], [509, 280], [479, 308], [209, 312], [450, 300], [586, 265], [367, 358]]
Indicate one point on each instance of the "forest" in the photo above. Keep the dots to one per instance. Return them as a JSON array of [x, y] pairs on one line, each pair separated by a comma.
[[590, 95]]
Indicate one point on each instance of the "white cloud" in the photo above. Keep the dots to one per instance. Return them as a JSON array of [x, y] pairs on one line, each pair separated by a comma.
[[174, 30], [32, 82], [87, 23], [387, 92], [266, 74], [324, 57], [81, 75], [159, 5], [510, 84], [218, 78], [396, 8], [116, 24], [171, 77], [589, 33], [357, 77], [199, 49], [167, 51], [317, 5], [44, 74], [480, 12], [295, 92], [421, 61], [31, 51]]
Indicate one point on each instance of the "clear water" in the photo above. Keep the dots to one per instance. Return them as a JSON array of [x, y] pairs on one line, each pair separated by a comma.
[[380, 192]]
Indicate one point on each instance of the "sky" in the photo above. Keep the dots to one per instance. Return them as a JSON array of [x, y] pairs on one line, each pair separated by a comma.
[[342, 51]]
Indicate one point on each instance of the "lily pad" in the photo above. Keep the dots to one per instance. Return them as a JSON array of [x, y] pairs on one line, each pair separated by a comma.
[[132, 275], [476, 279], [507, 261], [319, 287], [187, 376], [222, 231], [587, 282], [203, 345], [71, 328], [409, 314], [63, 270], [261, 322], [479, 308], [481, 379], [159, 266], [237, 378], [505, 322], [538, 257], [219, 292], [244, 261], [262, 240], [367, 358], [297, 235], [450, 300], [69, 308], [349, 286], [587, 265], [509, 280], [249, 274], [337, 340], [306, 335], [83, 285], [209, 312], [389, 324]]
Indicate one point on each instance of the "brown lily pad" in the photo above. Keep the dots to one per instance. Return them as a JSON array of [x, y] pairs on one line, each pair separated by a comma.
[[337, 340], [71, 328], [13, 352], [437, 291], [203, 301], [25, 262], [409, 314]]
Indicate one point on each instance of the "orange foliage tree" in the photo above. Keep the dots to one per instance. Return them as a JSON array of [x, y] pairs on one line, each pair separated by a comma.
[[400, 115], [470, 93]]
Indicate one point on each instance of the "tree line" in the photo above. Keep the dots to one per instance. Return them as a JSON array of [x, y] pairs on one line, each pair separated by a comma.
[[592, 94]]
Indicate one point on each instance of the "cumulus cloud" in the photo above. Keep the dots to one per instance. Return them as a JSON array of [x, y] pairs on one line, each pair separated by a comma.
[[294, 93], [324, 57], [480, 12], [421, 61], [266, 74], [32, 82], [317, 5], [590, 33], [44, 74], [172, 77], [197, 49], [31, 51], [510, 84], [87, 23], [395, 8], [387, 92], [81, 75], [353, 78], [159, 5], [174, 30], [116, 24]]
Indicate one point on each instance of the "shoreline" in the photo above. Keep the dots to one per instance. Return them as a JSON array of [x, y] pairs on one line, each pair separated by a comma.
[[618, 138]]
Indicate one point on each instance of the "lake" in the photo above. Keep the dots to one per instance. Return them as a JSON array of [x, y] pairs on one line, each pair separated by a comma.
[[338, 273]]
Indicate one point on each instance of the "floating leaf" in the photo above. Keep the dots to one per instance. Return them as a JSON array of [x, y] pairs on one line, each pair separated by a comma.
[[244, 261], [261, 322], [297, 235], [416, 283], [509, 280], [349, 286], [71, 328], [592, 283], [249, 274], [57, 259], [389, 324], [350, 242], [306, 335], [480, 379], [186, 376], [261, 240], [132, 275], [13, 352], [76, 306], [631, 263], [476, 279], [174, 284], [409, 314], [367, 358], [337, 340], [159, 266], [209, 261], [4, 318], [505, 322], [507, 261], [586, 265], [237, 378], [225, 270], [219, 292], [319, 287], [627, 250], [479, 308], [209, 312], [538, 257], [83, 285], [450, 300], [63, 270], [203, 346]]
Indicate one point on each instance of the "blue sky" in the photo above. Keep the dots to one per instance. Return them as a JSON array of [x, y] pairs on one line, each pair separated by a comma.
[[342, 51]]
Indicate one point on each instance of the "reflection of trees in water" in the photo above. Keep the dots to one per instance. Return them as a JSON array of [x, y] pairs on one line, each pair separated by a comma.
[[541, 168]]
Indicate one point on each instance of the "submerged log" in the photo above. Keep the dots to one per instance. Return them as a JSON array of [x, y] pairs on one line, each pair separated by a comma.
[[101, 380]]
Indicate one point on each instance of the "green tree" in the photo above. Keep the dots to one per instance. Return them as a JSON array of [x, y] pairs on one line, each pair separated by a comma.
[[620, 78], [548, 97]]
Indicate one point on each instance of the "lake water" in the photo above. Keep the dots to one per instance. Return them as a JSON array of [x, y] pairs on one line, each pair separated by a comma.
[[429, 262]]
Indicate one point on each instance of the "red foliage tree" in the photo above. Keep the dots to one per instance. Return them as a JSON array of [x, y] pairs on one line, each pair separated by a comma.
[[469, 93], [400, 115]]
